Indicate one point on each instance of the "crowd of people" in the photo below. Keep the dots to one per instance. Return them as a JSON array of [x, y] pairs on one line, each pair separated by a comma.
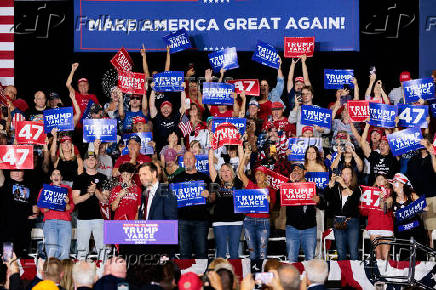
[[118, 181]]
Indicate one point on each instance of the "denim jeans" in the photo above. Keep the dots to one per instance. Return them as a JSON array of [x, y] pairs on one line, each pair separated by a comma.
[[306, 238], [256, 232], [348, 240], [193, 238], [227, 237], [57, 238], [84, 230]]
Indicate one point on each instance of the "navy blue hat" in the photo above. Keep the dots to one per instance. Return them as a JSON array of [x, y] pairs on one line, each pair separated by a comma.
[[300, 165], [136, 138]]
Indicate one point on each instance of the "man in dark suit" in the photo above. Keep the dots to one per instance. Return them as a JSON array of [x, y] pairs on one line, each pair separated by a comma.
[[317, 272], [157, 202]]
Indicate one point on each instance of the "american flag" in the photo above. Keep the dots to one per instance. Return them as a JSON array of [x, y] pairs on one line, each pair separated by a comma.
[[7, 42], [185, 126]]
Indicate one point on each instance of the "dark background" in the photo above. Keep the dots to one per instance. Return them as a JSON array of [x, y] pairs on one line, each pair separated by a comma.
[[389, 35]]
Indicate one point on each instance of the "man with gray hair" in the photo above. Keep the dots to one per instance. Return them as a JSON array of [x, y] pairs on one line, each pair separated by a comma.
[[317, 272], [84, 275], [289, 277]]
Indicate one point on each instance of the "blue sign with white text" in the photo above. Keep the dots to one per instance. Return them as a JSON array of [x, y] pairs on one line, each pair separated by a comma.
[[411, 210], [419, 89], [146, 137], [321, 179], [169, 81], [266, 54], [314, 115], [177, 41], [337, 78], [218, 93], [298, 147], [224, 59], [188, 193], [102, 26], [382, 115], [405, 141], [53, 197], [61, 118], [251, 201], [104, 130], [202, 163], [237, 122], [412, 116], [87, 113]]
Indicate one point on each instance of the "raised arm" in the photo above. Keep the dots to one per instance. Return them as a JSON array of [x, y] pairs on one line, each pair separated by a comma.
[[363, 143], [78, 112], [144, 61], [277, 92], [183, 100], [242, 107], [144, 104], [2, 178], [70, 88], [121, 105], [153, 109], [384, 95], [356, 89], [54, 145], [46, 156], [290, 83], [241, 167], [305, 72], [212, 170], [168, 59], [372, 79]]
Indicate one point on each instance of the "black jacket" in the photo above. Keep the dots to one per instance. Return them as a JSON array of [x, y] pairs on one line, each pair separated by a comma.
[[333, 202]]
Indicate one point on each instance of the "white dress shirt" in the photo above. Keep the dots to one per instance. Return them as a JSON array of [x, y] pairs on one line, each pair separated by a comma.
[[152, 192]]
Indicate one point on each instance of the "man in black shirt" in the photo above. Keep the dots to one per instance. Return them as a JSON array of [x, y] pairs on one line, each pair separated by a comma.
[[36, 112], [193, 220], [18, 208], [87, 192], [300, 222]]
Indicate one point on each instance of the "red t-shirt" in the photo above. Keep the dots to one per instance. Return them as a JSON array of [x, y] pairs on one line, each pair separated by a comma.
[[214, 112], [128, 206], [272, 197], [82, 101], [265, 110], [139, 159], [60, 215]]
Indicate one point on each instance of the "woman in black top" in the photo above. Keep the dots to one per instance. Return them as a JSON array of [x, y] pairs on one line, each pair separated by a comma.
[[342, 202], [403, 195], [227, 225]]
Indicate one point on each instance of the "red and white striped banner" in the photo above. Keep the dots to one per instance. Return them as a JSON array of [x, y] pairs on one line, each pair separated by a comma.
[[6, 42]]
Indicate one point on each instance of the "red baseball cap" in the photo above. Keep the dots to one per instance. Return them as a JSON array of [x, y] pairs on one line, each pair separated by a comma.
[[306, 128], [299, 79], [261, 169], [82, 80], [277, 105], [139, 119], [404, 76], [190, 281], [166, 103], [65, 138]]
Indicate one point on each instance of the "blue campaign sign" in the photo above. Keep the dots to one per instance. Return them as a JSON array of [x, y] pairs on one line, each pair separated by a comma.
[[145, 138], [177, 41], [52, 197], [87, 113], [419, 89], [382, 115], [202, 163], [61, 118], [218, 93], [188, 193], [298, 147], [432, 105], [226, 58], [412, 116], [266, 54], [212, 25], [405, 141], [103, 129], [314, 115], [321, 179], [411, 210], [337, 78], [239, 123], [169, 81], [251, 201], [408, 226]]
